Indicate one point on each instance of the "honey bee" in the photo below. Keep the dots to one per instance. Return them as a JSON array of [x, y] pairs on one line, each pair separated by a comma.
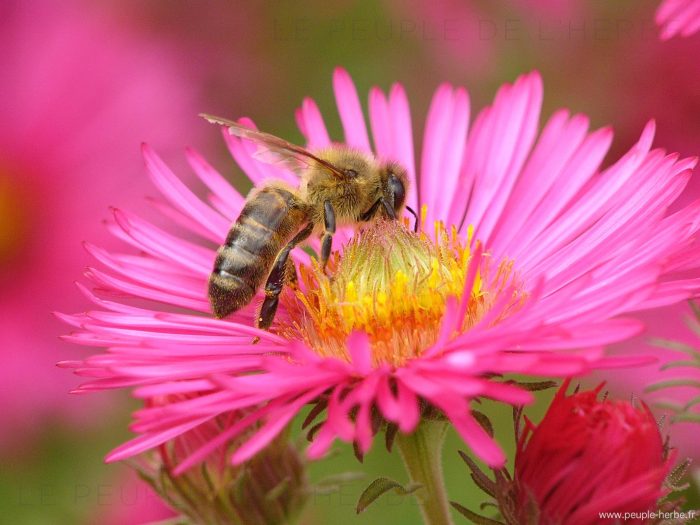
[[339, 186]]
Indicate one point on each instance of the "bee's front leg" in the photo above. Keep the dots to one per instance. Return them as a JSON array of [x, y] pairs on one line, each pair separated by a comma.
[[389, 209], [276, 279], [329, 227]]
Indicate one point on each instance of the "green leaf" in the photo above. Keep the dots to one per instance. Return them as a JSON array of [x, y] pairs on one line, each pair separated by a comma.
[[691, 403], [379, 487], [681, 364], [536, 386], [676, 346], [678, 471], [672, 406], [695, 307], [673, 383], [473, 516], [688, 417]]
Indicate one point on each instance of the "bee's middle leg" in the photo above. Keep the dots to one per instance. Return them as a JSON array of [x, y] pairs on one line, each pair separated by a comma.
[[372, 211], [329, 226], [369, 214], [277, 278]]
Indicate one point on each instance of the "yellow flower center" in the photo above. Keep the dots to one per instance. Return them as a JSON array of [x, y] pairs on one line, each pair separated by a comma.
[[393, 284]]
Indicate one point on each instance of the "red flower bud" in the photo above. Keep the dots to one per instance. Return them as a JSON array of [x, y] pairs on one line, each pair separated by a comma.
[[589, 456]]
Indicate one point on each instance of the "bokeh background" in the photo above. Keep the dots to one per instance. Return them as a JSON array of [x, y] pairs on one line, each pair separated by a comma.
[[83, 83]]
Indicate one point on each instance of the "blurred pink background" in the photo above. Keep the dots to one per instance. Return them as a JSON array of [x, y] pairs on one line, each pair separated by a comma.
[[84, 83], [76, 92]]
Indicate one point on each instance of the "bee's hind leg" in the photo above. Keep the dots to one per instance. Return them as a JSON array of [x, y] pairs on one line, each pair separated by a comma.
[[290, 274], [327, 239], [277, 278]]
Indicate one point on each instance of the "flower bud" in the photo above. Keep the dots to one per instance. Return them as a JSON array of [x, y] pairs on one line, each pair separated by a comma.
[[589, 456], [271, 488]]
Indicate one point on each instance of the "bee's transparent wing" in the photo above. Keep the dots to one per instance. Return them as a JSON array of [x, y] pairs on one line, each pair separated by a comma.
[[274, 150]]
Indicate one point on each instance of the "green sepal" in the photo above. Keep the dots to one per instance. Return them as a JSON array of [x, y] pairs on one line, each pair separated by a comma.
[[473, 516]]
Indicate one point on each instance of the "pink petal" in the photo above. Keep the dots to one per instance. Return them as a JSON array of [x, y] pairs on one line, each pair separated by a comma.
[[311, 125], [360, 352], [350, 111], [180, 195]]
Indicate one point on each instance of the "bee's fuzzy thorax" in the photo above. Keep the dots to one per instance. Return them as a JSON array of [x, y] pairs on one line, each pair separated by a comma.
[[350, 196]]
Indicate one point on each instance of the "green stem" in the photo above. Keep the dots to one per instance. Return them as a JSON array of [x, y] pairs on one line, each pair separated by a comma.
[[422, 455]]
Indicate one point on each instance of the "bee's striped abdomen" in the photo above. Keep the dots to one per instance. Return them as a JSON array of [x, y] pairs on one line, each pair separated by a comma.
[[243, 262]]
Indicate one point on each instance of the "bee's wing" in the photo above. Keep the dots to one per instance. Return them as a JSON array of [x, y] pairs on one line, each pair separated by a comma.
[[275, 150]]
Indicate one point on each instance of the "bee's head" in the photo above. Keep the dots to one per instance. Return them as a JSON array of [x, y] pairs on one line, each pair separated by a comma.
[[395, 179]]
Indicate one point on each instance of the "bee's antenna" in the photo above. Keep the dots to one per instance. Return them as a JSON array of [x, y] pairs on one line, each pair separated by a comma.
[[415, 215]]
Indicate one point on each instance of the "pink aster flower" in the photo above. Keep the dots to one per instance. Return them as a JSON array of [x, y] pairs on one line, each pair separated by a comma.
[[678, 17], [68, 106], [530, 255]]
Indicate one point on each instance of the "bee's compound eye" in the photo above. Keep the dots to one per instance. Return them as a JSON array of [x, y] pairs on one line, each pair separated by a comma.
[[350, 173], [397, 191]]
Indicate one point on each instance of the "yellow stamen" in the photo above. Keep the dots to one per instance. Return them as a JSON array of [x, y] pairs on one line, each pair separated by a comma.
[[393, 284]]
